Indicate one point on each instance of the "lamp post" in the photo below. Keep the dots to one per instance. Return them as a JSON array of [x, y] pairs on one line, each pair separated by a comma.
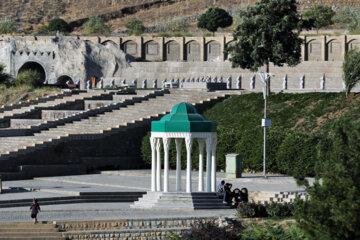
[[265, 122]]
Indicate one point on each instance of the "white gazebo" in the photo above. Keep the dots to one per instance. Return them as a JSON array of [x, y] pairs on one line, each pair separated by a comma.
[[183, 122]]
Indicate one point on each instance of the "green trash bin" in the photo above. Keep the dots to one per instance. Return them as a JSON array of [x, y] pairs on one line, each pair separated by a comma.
[[233, 165]]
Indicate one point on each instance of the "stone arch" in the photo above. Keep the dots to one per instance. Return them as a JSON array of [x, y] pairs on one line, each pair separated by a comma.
[[213, 51], [63, 79], [313, 50], [106, 42], [172, 51], [352, 44], [34, 66], [151, 50], [333, 50], [192, 51], [130, 47]]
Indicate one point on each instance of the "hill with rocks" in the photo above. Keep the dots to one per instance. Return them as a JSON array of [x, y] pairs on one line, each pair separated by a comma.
[[31, 14]]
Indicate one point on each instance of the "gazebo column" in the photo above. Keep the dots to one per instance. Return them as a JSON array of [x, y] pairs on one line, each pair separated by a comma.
[[158, 164], [178, 142], [188, 142], [213, 165], [208, 164], [153, 163], [201, 165], [166, 142]]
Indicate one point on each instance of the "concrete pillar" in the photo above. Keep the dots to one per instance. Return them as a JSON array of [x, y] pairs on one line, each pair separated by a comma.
[[222, 48], [208, 164], [213, 165], [201, 165], [303, 49], [153, 163], [161, 49], [166, 142], [188, 143], [158, 164], [343, 46], [202, 50], [141, 47], [323, 49], [182, 49], [178, 142]]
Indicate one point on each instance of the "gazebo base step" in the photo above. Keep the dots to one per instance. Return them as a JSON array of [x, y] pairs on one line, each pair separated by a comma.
[[179, 201]]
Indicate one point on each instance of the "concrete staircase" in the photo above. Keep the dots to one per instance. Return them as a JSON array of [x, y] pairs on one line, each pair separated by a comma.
[[180, 200], [29, 230], [132, 113]]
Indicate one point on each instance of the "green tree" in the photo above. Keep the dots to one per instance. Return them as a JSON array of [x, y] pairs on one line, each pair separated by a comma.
[[214, 18], [348, 18], [267, 33], [333, 208], [4, 77], [351, 69], [29, 78], [96, 25], [135, 27], [7, 26], [58, 24], [321, 16]]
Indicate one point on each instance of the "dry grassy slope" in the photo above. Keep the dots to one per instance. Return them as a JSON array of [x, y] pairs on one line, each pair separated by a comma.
[[29, 13]]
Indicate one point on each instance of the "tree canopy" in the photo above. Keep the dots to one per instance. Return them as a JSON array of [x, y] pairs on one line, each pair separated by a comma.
[[214, 18], [333, 208], [267, 33], [321, 16], [58, 24], [351, 69]]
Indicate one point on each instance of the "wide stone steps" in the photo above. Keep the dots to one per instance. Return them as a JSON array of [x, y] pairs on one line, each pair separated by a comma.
[[29, 230]]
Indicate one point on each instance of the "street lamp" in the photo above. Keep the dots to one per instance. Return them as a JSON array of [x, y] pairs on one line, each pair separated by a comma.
[[264, 77]]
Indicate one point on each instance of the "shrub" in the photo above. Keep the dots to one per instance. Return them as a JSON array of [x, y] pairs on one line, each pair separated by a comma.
[[4, 77], [267, 232], [214, 18], [246, 210], [177, 25], [7, 26], [275, 209], [96, 25], [58, 24], [351, 69], [29, 78], [320, 15], [135, 27], [297, 154], [333, 208], [348, 18]]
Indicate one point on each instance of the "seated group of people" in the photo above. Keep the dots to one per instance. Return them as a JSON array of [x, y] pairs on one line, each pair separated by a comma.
[[232, 197]]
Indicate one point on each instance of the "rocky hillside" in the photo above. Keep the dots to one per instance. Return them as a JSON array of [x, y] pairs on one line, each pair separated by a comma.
[[28, 14]]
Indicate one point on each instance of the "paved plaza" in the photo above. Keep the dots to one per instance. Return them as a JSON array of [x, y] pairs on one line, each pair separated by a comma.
[[117, 181]]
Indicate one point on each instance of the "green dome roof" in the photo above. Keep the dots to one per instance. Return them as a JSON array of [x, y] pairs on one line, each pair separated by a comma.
[[183, 118]]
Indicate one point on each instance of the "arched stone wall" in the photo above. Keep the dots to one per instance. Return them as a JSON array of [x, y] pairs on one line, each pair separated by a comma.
[[33, 66], [151, 51], [314, 52], [192, 51], [172, 51], [334, 52], [353, 43], [213, 51], [227, 56], [109, 42], [130, 47]]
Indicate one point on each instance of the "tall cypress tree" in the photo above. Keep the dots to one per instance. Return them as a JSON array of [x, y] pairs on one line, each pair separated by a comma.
[[267, 33]]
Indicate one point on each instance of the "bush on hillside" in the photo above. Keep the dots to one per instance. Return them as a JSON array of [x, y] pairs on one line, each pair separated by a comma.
[[177, 25], [28, 78], [214, 18], [7, 26], [96, 25], [58, 24], [135, 27], [321, 16], [348, 18]]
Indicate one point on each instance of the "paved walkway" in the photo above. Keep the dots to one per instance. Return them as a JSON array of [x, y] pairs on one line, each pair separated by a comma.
[[108, 181]]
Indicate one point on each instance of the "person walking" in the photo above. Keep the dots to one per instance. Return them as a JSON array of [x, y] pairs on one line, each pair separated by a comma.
[[35, 209]]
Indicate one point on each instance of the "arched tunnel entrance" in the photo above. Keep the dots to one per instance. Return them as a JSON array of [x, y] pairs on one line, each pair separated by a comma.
[[34, 66], [62, 80]]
